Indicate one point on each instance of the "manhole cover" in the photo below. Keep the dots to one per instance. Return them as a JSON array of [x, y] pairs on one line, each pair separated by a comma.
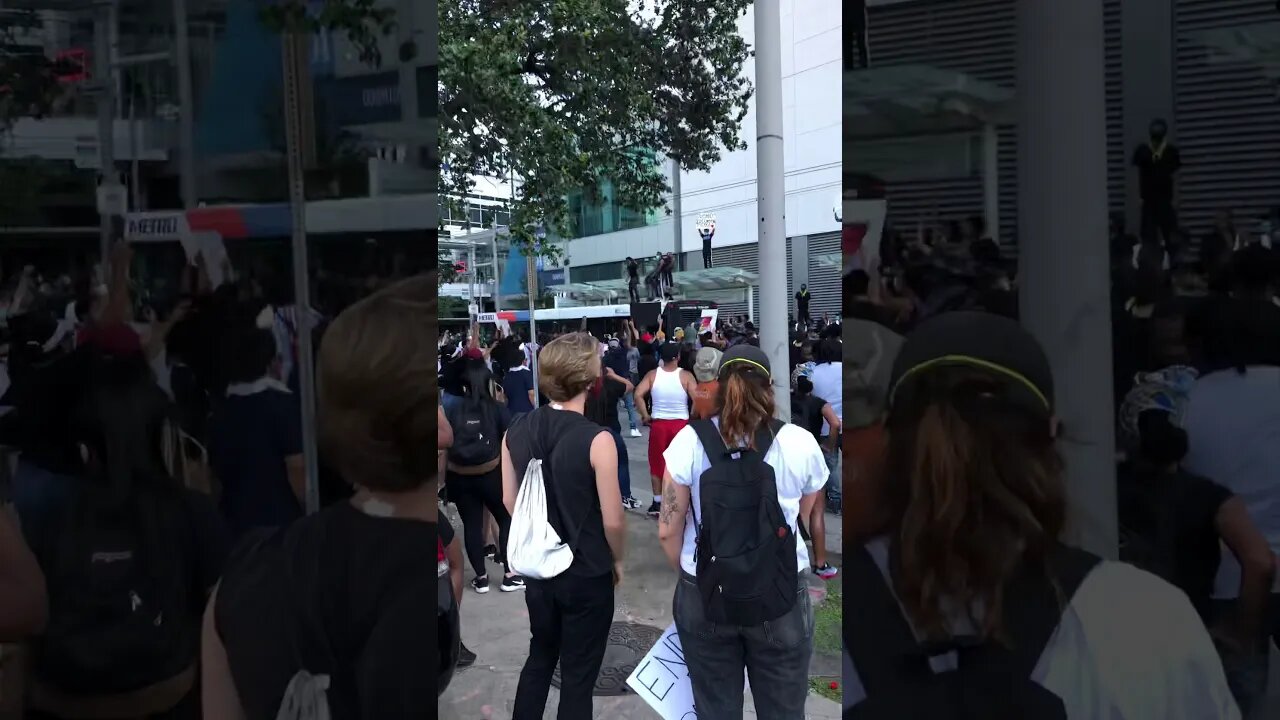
[[628, 643]]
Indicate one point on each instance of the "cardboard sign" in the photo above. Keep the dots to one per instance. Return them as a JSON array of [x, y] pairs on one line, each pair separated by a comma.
[[662, 679], [707, 323]]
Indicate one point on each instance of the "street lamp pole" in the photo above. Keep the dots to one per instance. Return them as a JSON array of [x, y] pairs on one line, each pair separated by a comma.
[[771, 197], [293, 46], [1063, 254]]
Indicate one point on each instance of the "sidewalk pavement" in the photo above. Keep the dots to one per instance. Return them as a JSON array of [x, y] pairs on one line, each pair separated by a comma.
[[495, 625]]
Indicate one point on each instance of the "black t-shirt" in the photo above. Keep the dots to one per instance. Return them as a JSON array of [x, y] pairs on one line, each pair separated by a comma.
[[446, 531], [351, 590], [648, 362], [562, 439], [1155, 175], [633, 271], [602, 406], [806, 412], [802, 301], [1197, 501]]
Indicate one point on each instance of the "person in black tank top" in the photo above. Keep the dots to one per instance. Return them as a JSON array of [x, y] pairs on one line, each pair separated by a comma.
[[343, 593], [570, 614]]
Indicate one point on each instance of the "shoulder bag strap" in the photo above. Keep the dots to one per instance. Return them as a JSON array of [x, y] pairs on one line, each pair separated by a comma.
[[717, 452]]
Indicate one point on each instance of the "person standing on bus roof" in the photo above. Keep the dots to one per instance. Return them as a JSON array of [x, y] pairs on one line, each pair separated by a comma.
[[633, 279]]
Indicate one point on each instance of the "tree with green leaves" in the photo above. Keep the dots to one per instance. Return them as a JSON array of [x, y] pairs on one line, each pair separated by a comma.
[[30, 84], [363, 22], [565, 94]]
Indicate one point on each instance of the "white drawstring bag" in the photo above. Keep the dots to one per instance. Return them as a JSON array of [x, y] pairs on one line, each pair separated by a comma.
[[534, 549], [305, 698]]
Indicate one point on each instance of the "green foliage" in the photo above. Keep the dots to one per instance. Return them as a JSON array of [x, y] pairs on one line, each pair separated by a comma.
[[568, 92], [363, 22], [29, 85]]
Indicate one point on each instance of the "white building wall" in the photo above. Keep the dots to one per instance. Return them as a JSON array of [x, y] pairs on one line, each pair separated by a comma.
[[811, 83]]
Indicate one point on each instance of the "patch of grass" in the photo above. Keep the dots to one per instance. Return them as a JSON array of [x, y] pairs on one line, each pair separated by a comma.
[[822, 686], [827, 619]]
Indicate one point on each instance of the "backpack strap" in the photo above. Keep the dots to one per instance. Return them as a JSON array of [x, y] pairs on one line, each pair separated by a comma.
[[879, 640], [1034, 603], [885, 651]]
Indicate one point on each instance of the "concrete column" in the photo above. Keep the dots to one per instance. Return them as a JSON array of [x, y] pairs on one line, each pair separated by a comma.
[[1147, 44], [771, 199], [1066, 295], [991, 180], [186, 99]]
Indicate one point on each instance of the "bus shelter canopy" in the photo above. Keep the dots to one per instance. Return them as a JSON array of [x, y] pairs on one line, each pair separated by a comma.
[[689, 283], [906, 100]]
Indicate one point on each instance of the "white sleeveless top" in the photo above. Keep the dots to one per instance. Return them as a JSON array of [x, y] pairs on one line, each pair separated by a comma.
[[670, 401]]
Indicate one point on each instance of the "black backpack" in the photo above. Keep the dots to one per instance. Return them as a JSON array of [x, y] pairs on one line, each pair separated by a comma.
[[477, 433], [991, 682], [746, 551], [123, 608]]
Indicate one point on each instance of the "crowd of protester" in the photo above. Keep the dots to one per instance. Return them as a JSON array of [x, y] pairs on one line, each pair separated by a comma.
[[156, 489], [678, 388], [950, 398]]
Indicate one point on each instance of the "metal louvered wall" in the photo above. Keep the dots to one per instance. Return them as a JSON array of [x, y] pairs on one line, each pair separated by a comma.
[[824, 278], [1227, 120], [976, 37], [1117, 154]]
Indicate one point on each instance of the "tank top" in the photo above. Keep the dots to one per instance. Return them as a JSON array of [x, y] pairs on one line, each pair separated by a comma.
[[562, 440], [670, 401]]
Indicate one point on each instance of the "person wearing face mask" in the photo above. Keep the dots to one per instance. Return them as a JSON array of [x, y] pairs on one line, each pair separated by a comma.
[[1158, 161]]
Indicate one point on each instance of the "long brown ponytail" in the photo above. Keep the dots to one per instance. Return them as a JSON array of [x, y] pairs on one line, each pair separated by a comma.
[[746, 403], [974, 488]]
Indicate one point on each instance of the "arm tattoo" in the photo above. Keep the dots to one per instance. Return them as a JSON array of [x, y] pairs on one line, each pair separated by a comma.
[[669, 504]]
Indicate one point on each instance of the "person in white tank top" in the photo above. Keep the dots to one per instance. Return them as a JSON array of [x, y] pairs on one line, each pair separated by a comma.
[[671, 390]]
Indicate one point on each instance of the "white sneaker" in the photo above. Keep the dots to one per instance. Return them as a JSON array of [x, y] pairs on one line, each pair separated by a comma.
[[635, 432]]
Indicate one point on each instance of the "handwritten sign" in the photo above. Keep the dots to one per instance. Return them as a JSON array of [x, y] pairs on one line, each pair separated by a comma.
[[662, 679]]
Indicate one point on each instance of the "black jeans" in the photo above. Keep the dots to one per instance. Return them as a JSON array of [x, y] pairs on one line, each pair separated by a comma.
[[706, 255], [472, 494], [569, 618], [632, 292], [775, 656], [1160, 220]]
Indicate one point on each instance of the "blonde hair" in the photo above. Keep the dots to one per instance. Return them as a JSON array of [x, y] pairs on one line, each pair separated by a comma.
[[376, 395], [568, 365]]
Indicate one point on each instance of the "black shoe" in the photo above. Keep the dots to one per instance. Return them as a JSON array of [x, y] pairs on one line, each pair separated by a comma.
[[655, 508], [480, 584], [465, 657], [490, 551], [512, 583]]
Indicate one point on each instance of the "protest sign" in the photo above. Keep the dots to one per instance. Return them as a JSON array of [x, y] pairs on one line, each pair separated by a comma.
[[662, 679]]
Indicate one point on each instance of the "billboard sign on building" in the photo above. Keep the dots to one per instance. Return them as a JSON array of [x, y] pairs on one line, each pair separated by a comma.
[[358, 100]]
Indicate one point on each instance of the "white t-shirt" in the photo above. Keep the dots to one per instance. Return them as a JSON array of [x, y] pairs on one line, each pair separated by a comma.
[[828, 384], [1130, 647], [1233, 434], [798, 467]]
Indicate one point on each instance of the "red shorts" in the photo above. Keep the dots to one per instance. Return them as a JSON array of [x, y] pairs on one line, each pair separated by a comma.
[[661, 433]]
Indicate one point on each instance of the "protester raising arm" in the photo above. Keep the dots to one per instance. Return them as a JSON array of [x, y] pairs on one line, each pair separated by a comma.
[[24, 603]]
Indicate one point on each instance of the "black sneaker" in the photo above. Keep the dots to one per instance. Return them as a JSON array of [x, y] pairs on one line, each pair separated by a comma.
[[512, 583], [630, 502], [490, 551], [480, 584], [465, 657], [655, 508]]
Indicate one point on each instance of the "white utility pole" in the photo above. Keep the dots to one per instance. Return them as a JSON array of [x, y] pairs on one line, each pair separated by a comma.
[[1066, 288], [186, 101], [771, 199], [295, 57], [104, 87]]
